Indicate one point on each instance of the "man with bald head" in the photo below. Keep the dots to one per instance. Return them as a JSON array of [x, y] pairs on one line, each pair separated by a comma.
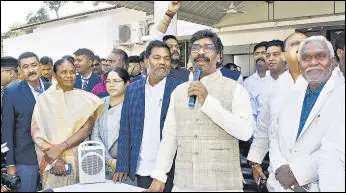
[[270, 103]]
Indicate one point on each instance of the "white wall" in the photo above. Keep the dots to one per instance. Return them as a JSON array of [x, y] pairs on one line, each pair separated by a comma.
[[98, 32]]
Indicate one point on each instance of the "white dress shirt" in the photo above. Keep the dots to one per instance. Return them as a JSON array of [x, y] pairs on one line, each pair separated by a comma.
[[254, 86], [35, 93], [237, 123], [269, 105], [331, 170], [151, 131]]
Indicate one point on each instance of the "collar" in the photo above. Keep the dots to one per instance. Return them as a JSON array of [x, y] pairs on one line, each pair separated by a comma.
[[161, 83], [34, 89], [211, 77], [316, 92], [87, 78]]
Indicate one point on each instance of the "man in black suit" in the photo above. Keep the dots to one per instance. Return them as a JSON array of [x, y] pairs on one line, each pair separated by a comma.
[[86, 79], [18, 104]]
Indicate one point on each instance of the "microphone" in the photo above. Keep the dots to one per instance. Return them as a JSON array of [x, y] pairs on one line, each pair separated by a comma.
[[197, 73]]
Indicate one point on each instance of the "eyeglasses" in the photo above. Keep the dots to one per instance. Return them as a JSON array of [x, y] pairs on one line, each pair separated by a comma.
[[207, 48], [114, 81]]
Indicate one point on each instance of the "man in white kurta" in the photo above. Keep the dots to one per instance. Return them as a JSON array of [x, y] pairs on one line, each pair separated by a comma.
[[205, 138], [271, 100], [279, 77], [296, 133]]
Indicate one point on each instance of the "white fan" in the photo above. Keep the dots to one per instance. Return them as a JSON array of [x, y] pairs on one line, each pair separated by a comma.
[[234, 9], [91, 158]]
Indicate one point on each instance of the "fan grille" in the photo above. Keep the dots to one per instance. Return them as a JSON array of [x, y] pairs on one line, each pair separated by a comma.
[[92, 164]]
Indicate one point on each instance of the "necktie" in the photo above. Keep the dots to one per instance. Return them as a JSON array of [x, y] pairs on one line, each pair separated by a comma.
[[84, 83]]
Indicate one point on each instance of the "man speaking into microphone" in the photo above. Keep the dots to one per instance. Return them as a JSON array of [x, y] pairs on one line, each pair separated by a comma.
[[205, 136]]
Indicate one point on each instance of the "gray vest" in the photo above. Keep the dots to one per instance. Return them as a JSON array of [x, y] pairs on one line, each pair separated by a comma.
[[207, 156]]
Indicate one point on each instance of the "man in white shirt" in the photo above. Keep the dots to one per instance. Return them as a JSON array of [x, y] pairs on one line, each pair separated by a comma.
[[297, 131], [255, 83], [143, 116], [331, 171], [270, 102], [205, 137]]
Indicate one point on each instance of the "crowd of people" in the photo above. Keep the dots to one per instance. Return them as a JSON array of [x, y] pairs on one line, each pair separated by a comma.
[[292, 107]]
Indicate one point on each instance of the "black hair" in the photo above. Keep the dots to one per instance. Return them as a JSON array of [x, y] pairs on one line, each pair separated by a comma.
[[59, 62], [27, 55], [96, 57], [155, 43], [207, 33], [278, 43], [123, 74], [261, 44], [45, 60], [134, 59], [123, 55], [85, 52], [102, 59], [166, 37], [142, 56], [230, 65], [69, 57]]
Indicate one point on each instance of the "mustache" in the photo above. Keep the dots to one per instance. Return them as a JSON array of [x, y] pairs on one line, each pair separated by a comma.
[[260, 59], [175, 52], [32, 73], [201, 57], [313, 68]]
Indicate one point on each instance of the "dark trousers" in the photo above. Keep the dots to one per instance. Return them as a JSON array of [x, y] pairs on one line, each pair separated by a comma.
[[145, 182], [28, 175]]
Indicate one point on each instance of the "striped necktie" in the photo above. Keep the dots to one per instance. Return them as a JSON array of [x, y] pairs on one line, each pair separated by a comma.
[[85, 83]]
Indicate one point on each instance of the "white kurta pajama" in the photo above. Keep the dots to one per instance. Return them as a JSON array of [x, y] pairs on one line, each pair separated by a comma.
[[206, 138]]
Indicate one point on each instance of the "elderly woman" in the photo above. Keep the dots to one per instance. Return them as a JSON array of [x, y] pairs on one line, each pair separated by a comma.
[[106, 129], [63, 117]]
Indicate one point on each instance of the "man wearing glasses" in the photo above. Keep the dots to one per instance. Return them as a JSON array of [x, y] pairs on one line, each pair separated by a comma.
[[206, 137]]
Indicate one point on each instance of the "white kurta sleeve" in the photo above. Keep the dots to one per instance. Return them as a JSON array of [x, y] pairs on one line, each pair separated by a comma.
[[239, 121], [168, 145], [260, 143]]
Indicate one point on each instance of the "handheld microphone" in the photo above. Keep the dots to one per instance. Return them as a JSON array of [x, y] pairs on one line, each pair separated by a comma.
[[197, 73]]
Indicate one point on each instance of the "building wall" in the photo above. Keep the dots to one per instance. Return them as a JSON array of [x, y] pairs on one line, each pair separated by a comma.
[[239, 40], [98, 32]]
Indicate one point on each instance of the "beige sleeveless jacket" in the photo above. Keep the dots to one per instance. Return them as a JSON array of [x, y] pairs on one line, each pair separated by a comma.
[[207, 156]]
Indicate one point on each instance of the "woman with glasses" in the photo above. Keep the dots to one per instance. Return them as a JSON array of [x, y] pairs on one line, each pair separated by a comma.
[[106, 129]]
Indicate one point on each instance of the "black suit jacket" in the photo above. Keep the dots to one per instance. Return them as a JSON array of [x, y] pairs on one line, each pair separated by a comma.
[[18, 106], [94, 80]]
